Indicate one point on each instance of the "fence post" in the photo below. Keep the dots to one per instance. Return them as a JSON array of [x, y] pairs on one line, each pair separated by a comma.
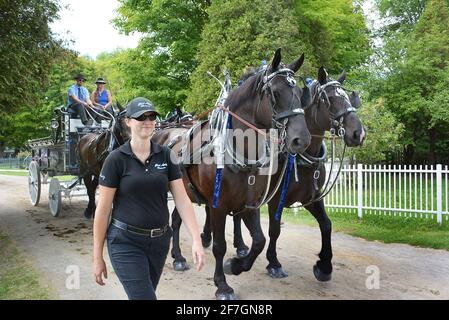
[[359, 189], [439, 195]]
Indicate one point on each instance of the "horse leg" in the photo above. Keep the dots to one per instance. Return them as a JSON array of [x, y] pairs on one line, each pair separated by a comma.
[[179, 263], [274, 267], [238, 265], [218, 223], [91, 187], [206, 236], [241, 248], [323, 267]]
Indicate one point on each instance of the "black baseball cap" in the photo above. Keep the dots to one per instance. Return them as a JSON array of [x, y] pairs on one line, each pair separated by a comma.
[[138, 106]]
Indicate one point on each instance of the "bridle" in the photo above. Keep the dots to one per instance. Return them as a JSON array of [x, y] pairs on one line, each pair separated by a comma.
[[279, 119], [336, 127], [321, 96]]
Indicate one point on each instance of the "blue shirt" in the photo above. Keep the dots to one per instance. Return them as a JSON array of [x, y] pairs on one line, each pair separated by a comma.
[[82, 94], [103, 98]]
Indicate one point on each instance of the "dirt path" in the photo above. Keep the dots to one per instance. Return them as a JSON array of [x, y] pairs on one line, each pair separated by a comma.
[[54, 244]]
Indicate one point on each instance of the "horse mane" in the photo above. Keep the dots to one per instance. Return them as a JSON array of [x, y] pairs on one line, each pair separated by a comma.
[[247, 90]]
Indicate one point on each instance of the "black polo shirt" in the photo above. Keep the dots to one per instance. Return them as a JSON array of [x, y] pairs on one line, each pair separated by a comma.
[[141, 196]]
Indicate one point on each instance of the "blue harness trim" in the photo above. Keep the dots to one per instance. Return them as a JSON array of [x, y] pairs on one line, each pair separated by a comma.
[[218, 176], [291, 161], [217, 187]]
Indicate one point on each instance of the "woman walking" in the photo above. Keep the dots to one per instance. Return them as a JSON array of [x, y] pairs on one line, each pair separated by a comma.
[[135, 178]]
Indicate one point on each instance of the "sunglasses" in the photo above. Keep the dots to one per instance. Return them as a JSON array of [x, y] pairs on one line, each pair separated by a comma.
[[143, 117], [80, 80]]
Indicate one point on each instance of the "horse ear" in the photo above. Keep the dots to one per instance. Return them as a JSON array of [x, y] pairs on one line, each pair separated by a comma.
[[306, 98], [297, 64], [119, 106], [354, 98], [322, 75], [342, 77], [276, 60]]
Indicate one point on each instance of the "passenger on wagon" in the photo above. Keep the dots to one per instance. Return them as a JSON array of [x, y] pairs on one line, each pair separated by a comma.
[[101, 97]]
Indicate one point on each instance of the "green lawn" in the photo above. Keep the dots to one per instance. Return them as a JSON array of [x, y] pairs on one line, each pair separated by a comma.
[[403, 194], [18, 279], [13, 173], [389, 229], [25, 173]]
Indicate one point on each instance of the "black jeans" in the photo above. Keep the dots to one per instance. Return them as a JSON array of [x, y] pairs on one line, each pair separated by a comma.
[[79, 109], [138, 261]]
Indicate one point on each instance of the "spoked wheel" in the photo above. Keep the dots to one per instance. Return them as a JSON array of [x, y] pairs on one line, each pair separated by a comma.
[[34, 182], [54, 197]]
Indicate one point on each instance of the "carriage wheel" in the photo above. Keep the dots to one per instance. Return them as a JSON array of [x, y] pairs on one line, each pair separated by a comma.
[[54, 197], [34, 182]]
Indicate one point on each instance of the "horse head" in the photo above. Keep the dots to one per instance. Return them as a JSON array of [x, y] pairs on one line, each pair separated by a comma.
[[279, 102], [334, 109], [120, 130]]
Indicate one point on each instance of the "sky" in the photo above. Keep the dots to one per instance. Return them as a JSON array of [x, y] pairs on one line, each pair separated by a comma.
[[87, 22]]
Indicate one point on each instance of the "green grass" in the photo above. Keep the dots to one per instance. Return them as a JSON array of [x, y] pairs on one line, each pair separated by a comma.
[[13, 173], [18, 279], [389, 229], [381, 194], [25, 174]]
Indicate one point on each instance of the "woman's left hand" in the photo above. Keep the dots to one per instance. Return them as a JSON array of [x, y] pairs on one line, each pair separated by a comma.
[[198, 255]]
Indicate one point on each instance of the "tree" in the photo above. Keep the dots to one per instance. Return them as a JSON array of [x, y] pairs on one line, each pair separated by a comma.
[[335, 31], [31, 121], [402, 14], [383, 134], [416, 87], [27, 48], [166, 54], [241, 33]]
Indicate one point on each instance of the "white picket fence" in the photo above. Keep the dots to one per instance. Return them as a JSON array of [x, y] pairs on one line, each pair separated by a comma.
[[408, 191]]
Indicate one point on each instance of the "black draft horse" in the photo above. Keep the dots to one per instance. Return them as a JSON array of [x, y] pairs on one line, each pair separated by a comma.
[[332, 108], [92, 150], [266, 100]]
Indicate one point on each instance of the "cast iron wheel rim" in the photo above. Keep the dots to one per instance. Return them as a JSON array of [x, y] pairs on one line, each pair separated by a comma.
[[54, 197]]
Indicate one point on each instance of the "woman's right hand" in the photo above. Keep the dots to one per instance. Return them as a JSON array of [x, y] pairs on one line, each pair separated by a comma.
[[99, 271]]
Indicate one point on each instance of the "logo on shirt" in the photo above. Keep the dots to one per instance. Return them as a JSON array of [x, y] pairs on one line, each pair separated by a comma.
[[102, 177], [161, 166]]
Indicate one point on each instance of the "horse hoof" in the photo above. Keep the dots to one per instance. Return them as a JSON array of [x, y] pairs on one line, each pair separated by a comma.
[[180, 266], [227, 267], [242, 252], [206, 242], [321, 276], [277, 272], [225, 296]]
